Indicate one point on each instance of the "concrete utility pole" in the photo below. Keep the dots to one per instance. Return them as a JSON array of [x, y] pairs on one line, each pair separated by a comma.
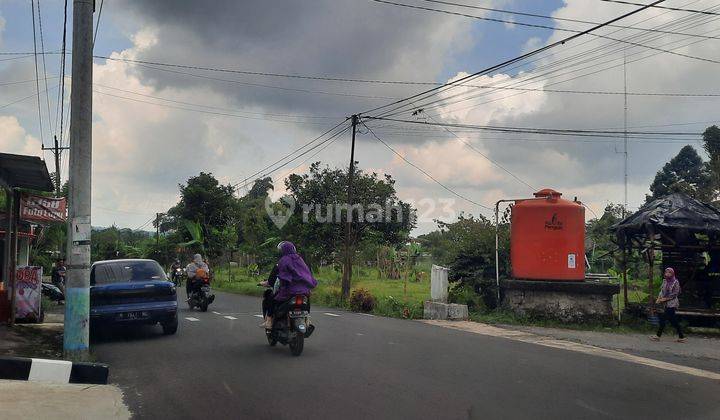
[[77, 288], [347, 271]]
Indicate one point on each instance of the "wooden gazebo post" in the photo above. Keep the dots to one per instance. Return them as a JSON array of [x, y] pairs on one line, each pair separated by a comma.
[[624, 276], [651, 259]]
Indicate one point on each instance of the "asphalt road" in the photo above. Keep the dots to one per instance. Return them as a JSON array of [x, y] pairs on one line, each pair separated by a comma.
[[359, 366]]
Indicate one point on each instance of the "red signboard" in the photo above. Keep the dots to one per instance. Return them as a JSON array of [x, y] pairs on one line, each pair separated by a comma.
[[42, 209]]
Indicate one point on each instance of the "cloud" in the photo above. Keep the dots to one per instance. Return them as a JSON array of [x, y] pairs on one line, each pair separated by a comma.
[[14, 138]]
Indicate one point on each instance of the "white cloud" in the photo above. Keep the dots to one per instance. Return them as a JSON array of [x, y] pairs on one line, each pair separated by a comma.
[[14, 138]]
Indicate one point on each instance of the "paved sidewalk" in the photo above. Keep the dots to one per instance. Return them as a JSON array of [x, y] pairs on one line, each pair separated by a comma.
[[699, 352], [25, 400]]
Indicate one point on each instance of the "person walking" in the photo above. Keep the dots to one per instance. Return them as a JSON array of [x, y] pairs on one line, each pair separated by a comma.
[[668, 297]]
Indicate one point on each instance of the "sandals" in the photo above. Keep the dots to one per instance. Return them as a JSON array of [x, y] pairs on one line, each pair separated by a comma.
[[681, 340], [654, 338]]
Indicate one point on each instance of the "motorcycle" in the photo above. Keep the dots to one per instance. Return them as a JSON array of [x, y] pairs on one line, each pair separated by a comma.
[[53, 292], [202, 296], [177, 276], [291, 324]]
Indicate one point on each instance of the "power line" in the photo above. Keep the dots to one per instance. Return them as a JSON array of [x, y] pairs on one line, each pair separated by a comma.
[[45, 76], [215, 107], [468, 144], [324, 142], [507, 62], [677, 9], [97, 24], [527, 79], [37, 75], [563, 19], [254, 73], [424, 172], [224, 114], [291, 153], [548, 131], [555, 28]]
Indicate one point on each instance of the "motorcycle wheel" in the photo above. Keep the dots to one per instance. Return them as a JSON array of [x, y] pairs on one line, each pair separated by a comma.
[[271, 340], [296, 346], [204, 305], [190, 304]]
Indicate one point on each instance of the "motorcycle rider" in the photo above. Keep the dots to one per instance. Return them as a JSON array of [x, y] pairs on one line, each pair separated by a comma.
[[196, 271], [58, 274], [294, 278], [175, 265]]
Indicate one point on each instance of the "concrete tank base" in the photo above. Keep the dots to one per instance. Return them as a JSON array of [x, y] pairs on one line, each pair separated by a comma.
[[445, 311], [564, 301]]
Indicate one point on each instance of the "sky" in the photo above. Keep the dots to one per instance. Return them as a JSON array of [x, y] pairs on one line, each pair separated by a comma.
[[154, 127]]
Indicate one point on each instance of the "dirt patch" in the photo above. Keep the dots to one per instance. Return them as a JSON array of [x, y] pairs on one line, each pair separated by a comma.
[[41, 341]]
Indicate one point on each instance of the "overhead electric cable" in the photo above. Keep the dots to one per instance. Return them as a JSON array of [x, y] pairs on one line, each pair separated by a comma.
[[709, 60], [510, 61], [97, 24], [37, 75], [424, 172], [676, 9], [291, 153], [45, 76], [564, 19]]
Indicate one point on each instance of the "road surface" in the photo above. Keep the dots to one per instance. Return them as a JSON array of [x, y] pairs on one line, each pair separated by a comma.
[[356, 366]]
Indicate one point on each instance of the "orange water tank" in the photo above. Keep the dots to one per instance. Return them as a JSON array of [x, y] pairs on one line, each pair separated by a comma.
[[547, 238]]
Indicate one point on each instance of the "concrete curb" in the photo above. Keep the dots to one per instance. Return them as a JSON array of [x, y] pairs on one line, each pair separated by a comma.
[[55, 371]]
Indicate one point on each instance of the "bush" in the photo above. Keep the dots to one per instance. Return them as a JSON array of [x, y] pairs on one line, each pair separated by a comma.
[[465, 294], [392, 307], [362, 300]]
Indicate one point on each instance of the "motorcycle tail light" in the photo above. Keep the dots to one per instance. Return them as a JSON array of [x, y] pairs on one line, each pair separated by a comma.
[[299, 300]]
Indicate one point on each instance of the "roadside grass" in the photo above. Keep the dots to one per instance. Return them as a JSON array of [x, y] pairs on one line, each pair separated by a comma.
[[404, 299], [394, 298]]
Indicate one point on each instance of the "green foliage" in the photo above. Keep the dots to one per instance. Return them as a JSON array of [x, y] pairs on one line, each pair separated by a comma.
[[711, 144], [362, 300], [686, 173]]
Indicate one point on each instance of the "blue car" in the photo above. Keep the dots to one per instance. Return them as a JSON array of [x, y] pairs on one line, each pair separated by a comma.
[[133, 291]]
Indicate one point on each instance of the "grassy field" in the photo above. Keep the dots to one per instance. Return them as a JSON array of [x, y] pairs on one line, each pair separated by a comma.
[[396, 298]]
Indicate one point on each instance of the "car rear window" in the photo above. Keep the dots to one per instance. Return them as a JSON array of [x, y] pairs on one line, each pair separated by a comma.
[[126, 271]]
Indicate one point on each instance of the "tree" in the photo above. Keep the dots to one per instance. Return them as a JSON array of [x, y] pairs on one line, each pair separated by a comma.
[[686, 173], [320, 213], [203, 200], [711, 144]]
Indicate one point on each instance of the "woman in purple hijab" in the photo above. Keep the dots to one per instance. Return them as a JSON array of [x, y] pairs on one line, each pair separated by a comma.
[[293, 275], [668, 297]]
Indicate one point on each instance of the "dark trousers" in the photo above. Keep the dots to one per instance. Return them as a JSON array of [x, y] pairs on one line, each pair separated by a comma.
[[190, 286], [268, 303], [669, 315]]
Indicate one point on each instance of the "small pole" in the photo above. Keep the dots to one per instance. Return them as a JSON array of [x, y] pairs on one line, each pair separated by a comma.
[[157, 232], [15, 216], [497, 252], [57, 168], [347, 272]]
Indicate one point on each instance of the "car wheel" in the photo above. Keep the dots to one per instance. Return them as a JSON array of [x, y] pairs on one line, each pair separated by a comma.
[[170, 328]]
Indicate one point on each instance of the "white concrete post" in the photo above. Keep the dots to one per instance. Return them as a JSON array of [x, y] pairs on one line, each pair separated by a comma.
[[439, 284]]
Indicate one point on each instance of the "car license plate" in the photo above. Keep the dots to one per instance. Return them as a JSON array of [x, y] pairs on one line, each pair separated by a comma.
[[127, 316]]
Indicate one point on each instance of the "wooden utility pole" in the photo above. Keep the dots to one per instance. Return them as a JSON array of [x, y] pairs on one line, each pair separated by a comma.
[[76, 337], [347, 270], [157, 231], [57, 150]]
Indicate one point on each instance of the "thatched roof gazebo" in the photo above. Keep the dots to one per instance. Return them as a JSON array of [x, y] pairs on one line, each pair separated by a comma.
[[687, 233]]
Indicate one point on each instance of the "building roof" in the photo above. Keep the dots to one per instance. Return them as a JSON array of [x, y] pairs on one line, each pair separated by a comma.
[[21, 171], [672, 213]]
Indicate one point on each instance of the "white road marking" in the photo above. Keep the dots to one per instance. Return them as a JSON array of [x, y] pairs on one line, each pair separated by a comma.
[[525, 337], [229, 317], [189, 318], [367, 314], [359, 334], [330, 314], [258, 315], [216, 313]]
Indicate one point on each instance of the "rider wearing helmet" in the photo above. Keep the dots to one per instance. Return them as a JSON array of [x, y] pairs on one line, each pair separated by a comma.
[[196, 271]]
